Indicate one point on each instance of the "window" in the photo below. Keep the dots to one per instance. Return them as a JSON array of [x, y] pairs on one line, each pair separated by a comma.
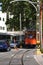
[[0, 28], [3, 19], [3, 28], [0, 18]]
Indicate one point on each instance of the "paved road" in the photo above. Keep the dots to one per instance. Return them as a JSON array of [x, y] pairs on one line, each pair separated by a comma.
[[6, 56], [20, 57]]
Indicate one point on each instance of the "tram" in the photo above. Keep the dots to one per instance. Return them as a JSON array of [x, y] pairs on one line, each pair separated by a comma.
[[10, 35], [30, 39], [4, 36]]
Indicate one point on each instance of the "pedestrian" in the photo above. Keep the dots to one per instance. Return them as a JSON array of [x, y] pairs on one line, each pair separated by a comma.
[[15, 43], [7, 41]]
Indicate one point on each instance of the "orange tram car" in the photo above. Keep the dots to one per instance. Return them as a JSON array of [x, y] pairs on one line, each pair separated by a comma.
[[30, 39]]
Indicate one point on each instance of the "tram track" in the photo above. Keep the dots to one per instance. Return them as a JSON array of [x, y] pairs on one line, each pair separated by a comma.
[[20, 57], [17, 58], [27, 54], [13, 56]]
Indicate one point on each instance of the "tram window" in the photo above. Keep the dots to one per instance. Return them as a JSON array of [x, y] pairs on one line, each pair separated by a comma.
[[30, 36]]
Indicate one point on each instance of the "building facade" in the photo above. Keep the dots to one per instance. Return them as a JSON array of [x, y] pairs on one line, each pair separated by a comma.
[[2, 22]]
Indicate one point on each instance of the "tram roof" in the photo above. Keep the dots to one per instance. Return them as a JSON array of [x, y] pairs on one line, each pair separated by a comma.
[[12, 33]]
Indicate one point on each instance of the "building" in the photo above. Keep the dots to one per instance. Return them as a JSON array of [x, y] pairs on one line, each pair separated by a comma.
[[4, 33], [2, 20]]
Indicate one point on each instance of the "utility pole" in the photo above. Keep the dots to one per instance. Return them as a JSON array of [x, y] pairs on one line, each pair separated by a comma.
[[20, 23], [41, 8], [20, 27], [38, 22]]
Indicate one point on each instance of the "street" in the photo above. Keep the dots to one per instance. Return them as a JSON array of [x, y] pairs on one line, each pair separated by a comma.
[[21, 57], [5, 57], [21, 26]]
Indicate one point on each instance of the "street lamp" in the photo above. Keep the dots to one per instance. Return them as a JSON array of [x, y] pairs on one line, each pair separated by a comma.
[[20, 27], [41, 8], [38, 22]]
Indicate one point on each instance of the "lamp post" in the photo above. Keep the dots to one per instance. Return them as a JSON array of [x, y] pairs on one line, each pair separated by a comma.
[[38, 22], [41, 8], [20, 27]]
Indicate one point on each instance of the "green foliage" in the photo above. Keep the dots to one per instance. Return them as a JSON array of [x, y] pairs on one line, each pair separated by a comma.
[[15, 9], [1, 0], [41, 0], [6, 4], [41, 50]]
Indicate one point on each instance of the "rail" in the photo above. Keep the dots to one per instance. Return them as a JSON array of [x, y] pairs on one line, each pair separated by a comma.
[[13, 56], [20, 53], [23, 52]]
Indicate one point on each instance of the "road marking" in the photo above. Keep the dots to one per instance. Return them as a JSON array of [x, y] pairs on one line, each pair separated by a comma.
[[27, 56], [36, 59], [12, 55], [30, 56]]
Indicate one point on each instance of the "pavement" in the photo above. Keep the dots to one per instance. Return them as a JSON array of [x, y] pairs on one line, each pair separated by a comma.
[[32, 57], [38, 52], [39, 57], [35, 59]]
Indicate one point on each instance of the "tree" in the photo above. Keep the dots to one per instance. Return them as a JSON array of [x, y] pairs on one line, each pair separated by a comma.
[[27, 12]]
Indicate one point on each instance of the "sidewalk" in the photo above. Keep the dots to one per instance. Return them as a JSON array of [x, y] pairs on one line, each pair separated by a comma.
[[39, 57], [38, 52]]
